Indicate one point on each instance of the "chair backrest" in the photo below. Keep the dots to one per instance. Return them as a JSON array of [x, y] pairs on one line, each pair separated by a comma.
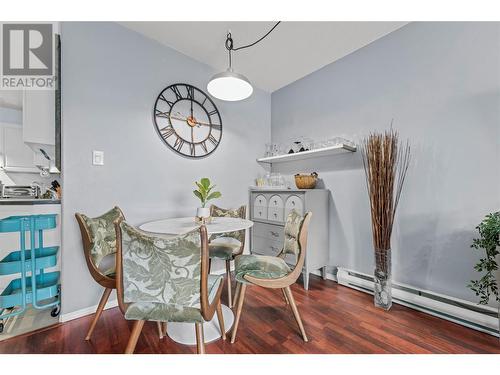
[[98, 238], [160, 269], [296, 231], [240, 212]]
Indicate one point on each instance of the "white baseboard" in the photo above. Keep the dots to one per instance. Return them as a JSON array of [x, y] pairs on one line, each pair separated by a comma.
[[468, 314], [86, 311]]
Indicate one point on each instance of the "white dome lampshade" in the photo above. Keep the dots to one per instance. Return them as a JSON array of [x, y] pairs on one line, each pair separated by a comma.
[[229, 86]]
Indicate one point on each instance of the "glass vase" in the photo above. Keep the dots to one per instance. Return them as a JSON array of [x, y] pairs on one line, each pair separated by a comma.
[[382, 293]]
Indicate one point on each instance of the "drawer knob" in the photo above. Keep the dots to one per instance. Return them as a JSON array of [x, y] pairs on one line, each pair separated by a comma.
[[293, 203], [275, 234], [275, 215]]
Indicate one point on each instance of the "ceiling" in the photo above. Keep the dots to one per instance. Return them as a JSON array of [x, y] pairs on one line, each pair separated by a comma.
[[292, 51]]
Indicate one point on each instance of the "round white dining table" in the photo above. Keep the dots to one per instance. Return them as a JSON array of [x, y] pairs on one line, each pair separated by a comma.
[[184, 333]]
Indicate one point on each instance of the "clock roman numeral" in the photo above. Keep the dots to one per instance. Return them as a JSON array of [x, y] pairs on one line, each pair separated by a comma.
[[212, 139], [203, 102], [192, 149], [190, 92], [167, 131], [204, 146], [213, 112], [176, 91], [178, 144], [217, 127], [170, 104], [162, 114]]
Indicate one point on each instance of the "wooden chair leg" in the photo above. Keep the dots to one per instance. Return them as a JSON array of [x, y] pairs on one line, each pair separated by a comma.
[[237, 293], [296, 313], [160, 329], [284, 296], [220, 317], [200, 340], [241, 298], [134, 336], [228, 274], [100, 308]]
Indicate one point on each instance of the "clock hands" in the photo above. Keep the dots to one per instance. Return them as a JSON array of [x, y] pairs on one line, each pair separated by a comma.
[[177, 116]]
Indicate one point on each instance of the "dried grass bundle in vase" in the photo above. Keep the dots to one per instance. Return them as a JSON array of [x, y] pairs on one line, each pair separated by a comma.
[[386, 161]]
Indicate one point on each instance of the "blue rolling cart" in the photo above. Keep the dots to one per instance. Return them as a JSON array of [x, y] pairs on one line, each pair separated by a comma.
[[34, 287]]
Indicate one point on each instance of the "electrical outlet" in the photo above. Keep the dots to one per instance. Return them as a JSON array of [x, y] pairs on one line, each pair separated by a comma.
[[98, 157]]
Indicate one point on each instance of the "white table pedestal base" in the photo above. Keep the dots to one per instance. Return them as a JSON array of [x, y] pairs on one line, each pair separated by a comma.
[[184, 333]]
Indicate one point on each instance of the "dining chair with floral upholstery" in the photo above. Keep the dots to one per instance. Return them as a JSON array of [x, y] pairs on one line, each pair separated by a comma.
[[226, 246], [166, 279], [99, 248], [272, 271]]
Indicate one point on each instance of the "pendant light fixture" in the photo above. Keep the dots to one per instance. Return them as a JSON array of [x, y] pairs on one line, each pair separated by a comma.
[[229, 85]]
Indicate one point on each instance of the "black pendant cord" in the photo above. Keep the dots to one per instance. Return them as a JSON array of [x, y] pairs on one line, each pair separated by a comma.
[[230, 44]]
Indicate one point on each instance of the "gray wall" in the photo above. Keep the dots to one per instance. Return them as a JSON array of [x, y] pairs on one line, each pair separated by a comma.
[[441, 84], [111, 78]]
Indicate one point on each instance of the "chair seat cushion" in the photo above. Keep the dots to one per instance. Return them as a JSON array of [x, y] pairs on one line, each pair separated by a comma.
[[107, 265], [172, 313], [260, 266], [223, 248]]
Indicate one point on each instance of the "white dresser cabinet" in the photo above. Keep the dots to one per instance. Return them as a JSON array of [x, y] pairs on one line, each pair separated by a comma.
[[268, 211]]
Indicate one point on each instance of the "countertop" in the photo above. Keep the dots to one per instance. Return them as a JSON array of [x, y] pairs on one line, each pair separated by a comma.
[[27, 202]]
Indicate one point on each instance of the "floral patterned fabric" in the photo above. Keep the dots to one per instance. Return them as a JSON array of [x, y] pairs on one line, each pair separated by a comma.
[[272, 267], [260, 266], [223, 250], [161, 275], [103, 236], [237, 213], [172, 313], [292, 229]]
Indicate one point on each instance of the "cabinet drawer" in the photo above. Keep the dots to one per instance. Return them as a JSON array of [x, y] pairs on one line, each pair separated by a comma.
[[264, 246], [275, 202], [269, 231], [259, 212], [294, 202], [260, 201], [275, 214]]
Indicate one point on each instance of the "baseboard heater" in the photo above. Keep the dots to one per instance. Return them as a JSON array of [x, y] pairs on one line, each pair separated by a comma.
[[481, 318]]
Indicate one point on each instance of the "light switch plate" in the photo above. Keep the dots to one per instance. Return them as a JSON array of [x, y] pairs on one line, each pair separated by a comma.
[[98, 157]]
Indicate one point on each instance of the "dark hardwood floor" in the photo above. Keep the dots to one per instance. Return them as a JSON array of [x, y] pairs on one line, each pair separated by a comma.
[[337, 320]]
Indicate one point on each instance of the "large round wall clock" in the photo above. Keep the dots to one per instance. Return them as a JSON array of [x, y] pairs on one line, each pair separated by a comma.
[[187, 120]]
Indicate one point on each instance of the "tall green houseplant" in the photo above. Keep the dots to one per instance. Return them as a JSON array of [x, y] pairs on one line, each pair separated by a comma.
[[488, 241]]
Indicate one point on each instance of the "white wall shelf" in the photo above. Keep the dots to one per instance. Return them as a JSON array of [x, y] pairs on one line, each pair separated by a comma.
[[326, 151]]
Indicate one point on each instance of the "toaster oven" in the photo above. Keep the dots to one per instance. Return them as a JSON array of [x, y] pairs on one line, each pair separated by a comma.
[[20, 191]]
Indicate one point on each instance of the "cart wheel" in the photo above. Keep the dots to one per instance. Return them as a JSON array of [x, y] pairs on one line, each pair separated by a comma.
[[55, 311], [1, 327]]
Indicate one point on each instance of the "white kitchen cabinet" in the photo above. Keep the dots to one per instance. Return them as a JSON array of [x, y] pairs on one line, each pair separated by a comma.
[[39, 120], [16, 156]]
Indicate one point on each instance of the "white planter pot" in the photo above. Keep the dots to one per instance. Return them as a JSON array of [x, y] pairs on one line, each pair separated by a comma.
[[203, 212]]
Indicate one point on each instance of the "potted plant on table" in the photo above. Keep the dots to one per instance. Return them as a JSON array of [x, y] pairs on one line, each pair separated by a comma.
[[205, 193]]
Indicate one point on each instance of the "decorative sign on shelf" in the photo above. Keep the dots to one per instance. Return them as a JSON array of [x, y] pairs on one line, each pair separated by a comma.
[[187, 120]]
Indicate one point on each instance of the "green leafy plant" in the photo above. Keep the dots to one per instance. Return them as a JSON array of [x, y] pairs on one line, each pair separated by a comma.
[[204, 192], [489, 240]]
